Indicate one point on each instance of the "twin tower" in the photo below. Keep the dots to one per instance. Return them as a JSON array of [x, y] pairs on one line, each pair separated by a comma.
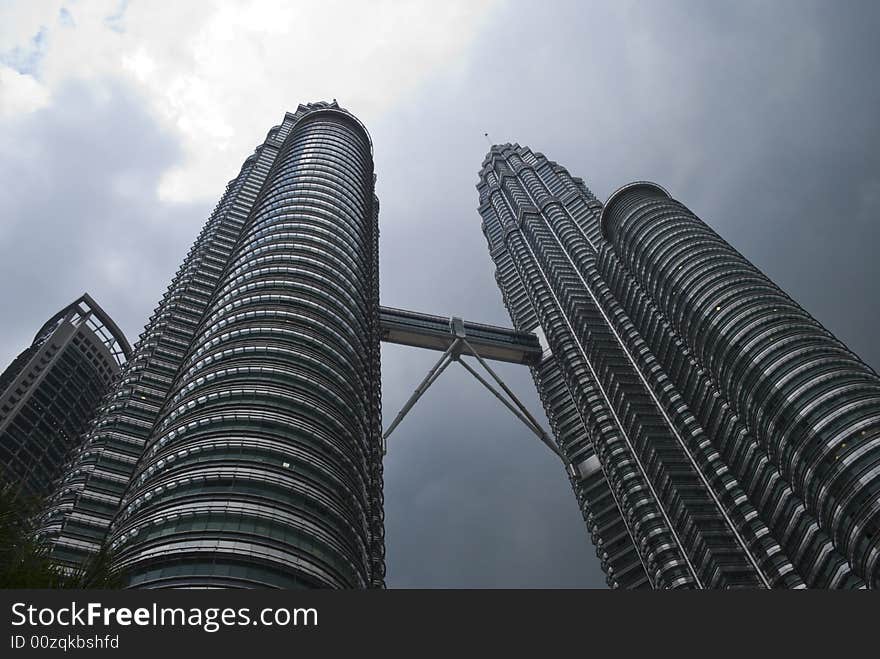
[[715, 434]]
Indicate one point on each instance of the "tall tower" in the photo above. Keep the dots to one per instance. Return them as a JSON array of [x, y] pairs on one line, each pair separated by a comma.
[[243, 445], [49, 393], [716, 435]]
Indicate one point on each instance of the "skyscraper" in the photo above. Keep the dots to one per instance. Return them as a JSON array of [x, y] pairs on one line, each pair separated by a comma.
[[716, 435], [49, 393], [242, 446]]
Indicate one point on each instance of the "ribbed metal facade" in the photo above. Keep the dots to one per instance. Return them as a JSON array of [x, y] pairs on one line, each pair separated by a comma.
[[243, 448], [716, 435], [50, 392], [99, 473], [805, 409]]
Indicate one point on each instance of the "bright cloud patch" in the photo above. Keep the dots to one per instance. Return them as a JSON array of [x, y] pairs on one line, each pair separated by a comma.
[[19, 93], [220, 73]]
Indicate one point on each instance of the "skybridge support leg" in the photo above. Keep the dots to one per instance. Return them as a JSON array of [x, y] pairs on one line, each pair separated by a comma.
[[454, 353], [532, 421], [532, 425], [445, 359]]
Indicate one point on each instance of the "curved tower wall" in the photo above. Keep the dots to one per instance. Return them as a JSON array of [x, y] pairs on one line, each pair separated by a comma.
[[664, 459], [264, 467], [99, 471], [542, 227], [812, 405]]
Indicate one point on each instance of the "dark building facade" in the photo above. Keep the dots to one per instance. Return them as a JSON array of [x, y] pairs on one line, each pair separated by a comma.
[[716, 435], [50, 392], [242, 447]]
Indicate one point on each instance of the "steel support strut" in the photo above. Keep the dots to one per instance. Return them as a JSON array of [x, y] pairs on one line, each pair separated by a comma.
[[445, 359], [534, 427], [531, 422], [454, 353]]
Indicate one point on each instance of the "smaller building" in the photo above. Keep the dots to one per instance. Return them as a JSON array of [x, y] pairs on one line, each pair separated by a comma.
[[50, 392]]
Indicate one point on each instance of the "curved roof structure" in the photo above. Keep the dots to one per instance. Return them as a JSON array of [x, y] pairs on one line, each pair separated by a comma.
[[617, 194], [99, 321]]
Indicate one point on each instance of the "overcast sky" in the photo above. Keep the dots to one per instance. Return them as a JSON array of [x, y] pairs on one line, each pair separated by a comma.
[[120, 123]]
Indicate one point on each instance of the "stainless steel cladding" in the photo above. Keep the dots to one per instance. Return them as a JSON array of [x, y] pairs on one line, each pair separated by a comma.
[[264, 468], [251, 413], [717, 436], [804, 405]]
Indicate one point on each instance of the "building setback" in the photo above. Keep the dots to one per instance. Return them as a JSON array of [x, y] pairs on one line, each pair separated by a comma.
[[716, 435], [242, 447], [50, 392]]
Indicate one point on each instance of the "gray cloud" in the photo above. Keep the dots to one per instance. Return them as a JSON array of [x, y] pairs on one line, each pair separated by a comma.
[[80, 213], [761, 117]]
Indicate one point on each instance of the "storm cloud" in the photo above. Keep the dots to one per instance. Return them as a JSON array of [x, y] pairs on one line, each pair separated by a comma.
[[761, 117]]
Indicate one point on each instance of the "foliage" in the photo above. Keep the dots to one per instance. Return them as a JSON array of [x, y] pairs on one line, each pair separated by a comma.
[[25, 560]]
